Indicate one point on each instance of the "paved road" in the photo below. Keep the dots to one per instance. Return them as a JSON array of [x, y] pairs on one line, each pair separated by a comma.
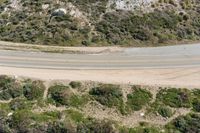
[[132, 58]]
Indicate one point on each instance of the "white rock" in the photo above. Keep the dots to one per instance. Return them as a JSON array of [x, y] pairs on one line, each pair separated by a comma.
[[61, 10], [130, 4], [10, 114], [141, 114]]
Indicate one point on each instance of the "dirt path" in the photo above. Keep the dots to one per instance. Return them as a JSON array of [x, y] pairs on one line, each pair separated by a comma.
[[132, 120], [56, 49]]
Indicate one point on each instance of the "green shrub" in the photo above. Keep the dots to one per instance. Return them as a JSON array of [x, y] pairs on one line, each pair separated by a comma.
[[26, 120], [4, 110], [15, 89], [76, 116], [185, 124], [34, 90], [46, 116], [140, 129], [20, 104], [75, 84], [60, 94], [4, 81], [78, 101], [196, 105], [138, 98], [96, 127], [4, 95], [196, 100], [9, 88], [109, 95], [165, 111], [175, 97], [60, 127], [4, 128], [21, 120], [63, 95]]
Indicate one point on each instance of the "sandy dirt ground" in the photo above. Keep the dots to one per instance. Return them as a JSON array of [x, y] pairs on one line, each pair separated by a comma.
[[56, 49], [179, 77]]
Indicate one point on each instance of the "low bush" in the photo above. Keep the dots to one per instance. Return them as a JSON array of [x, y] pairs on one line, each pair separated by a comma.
[[4, 128], [109, 95], [76, 116], [185, 124], [46, 117], [175, 97], [138, 98], [21, 120], [26, 121], [196, 105], [60, 94], [140, 129], [75, 84], [20, 104], [60, 127], [34, 90], [9, 88], [4, 81], [96, 127], [165, 111], [196, 100], [63, 95], [78, 101]]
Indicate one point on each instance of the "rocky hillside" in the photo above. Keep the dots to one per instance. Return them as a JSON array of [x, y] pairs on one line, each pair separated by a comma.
[[100, 22]]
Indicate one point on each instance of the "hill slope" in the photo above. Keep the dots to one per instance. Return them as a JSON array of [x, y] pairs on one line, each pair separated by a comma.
[[99, 22], [34, 106]]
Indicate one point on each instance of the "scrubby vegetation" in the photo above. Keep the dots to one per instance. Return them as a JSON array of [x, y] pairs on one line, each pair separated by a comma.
[[138, 98], [66, 109], [34, 90], [141, 129], [175, 97], [75, 84], [165, 111], [95, 22], [9, 88], [185, 124], [63, 95], [196, 100], [109, 95]]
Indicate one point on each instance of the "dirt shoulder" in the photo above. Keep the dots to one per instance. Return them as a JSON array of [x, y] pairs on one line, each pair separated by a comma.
[[57, 49], [179, 77]]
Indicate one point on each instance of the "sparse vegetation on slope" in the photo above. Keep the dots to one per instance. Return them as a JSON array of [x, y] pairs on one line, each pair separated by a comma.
[[175, 97], [109, 95], [63, 95], [99, 22], [185, 124], [9, 88], [34, 90], [138, 98], [28, 113]]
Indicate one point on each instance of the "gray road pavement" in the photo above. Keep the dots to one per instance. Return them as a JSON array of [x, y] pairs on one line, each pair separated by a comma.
[[130, 58]]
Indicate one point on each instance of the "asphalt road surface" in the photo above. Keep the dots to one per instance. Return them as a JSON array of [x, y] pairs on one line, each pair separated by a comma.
[[131, 58]]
